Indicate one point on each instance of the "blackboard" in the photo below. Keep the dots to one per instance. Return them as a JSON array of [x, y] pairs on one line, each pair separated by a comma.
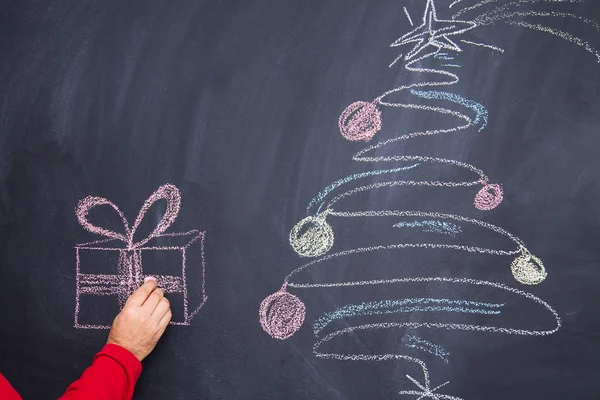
[[375, 199]]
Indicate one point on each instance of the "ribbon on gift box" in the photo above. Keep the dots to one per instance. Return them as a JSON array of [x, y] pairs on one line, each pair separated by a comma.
[[167, 192], [129, 268]]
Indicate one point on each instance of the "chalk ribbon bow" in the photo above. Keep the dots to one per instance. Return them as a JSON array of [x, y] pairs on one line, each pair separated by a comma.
[[168, 192]]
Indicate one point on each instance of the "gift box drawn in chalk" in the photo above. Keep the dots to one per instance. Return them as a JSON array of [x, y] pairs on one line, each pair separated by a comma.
[[110, 269]]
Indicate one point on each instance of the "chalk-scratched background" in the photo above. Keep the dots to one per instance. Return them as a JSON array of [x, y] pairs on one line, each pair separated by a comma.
[[237, 104]]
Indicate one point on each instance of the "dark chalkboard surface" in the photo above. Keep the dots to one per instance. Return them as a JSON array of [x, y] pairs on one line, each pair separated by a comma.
[[343, 199]]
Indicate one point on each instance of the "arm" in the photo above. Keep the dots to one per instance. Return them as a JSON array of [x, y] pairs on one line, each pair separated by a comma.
[[134, 334], [112, 375], [6, 390]]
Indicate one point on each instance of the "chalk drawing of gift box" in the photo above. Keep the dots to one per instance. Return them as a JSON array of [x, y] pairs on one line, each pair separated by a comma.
[[109, 270]]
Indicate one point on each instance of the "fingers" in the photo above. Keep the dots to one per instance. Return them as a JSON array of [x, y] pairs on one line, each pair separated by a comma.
[[153, 300], [165, 321], [142, 293], [162, 308]]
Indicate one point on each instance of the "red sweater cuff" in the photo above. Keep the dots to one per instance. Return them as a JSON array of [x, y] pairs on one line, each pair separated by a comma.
[[124, 357]]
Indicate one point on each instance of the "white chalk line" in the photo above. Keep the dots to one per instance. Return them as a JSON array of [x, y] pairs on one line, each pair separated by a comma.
[[399, 183], [518, 3], [484, 2], [428, 347], [562, 34], [487, 46], [408, 16], [500, 14], [396, 60], [409, 66], [455, 2], [503, 16], [433, 32], [428, 393], [473, 7]]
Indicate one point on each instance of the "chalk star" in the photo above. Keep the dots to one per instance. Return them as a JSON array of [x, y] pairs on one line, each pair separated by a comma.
[[433, 32], [428, 393]]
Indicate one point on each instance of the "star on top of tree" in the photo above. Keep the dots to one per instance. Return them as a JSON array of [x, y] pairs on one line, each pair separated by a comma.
[[433, 32]]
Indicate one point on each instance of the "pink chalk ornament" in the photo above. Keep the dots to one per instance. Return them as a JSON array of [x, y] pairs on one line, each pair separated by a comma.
[[360, 121], [282, 314], [489, 197]]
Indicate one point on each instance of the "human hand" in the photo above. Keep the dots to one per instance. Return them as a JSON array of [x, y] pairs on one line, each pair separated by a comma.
[[142, 321]]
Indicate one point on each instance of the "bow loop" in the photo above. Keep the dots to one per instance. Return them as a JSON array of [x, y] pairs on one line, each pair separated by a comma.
[[171, 194], [83, 209], [167, 192]]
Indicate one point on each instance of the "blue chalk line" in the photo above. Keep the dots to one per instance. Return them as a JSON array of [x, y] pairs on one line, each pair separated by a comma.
[[426, 346], [435, 226], [320, 198], [399, 306], [481, 113]]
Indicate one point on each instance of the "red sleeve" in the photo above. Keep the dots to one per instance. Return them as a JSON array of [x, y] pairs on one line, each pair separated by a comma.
[[112, 375], [6, 390]]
